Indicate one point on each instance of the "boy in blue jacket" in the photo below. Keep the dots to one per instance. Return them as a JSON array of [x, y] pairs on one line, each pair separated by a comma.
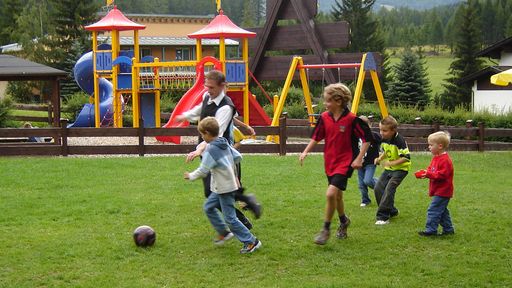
[[219, 159]]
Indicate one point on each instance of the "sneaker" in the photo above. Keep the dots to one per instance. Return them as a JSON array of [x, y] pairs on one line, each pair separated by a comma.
[[364, 204], [342, 230], [221, 239], [322, 237], [395, 214], [427, 234], [254, 206], [382, 222], [250, 247], [446, 233]]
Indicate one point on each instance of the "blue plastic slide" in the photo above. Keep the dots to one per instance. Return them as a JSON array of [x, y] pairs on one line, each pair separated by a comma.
[[84, 77]]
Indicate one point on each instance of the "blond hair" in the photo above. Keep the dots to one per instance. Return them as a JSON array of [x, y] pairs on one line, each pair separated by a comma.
[[440, 137], [338, 92], [390, 122], [216, 76], [209, 125]]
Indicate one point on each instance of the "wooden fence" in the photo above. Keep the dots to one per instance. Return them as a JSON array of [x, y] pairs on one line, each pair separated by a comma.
[[293, 139], [32, 107]]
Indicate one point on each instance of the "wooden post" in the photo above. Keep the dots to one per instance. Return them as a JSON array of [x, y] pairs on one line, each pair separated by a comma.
[[436, 126], [50, 118], [64, 136], [417, 121], [481, 136], [282, 136], [469, 125], [141, 137]]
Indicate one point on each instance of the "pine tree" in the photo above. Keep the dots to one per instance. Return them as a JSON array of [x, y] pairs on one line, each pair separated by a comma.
[[249, 15], [410, 85], [9, 11], [467, 44], [69, 18]]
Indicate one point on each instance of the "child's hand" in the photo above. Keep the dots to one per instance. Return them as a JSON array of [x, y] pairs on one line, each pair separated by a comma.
[[302, 156], [420, 174], [387, 164], [186, 175], [357, 163], [376, 161], [192, 155]]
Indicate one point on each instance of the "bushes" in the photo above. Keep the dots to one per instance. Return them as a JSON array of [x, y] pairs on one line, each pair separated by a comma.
[[5, 110], [434, 114], [73, 105]]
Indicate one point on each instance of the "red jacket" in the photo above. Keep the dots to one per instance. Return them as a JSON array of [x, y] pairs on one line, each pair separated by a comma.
[[440, 173]]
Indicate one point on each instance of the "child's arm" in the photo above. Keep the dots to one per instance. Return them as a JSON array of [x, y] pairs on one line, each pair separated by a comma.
[[308, 148], [442, 171], [381, 157], [202, 171], [358, 162], [196, 153], [396, 162]]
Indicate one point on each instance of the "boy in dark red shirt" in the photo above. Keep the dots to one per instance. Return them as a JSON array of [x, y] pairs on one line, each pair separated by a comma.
[[341, 131], [440, 173]]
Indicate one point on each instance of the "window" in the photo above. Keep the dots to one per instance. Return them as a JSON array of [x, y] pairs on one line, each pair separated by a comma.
[[145, 52], [182, 54]]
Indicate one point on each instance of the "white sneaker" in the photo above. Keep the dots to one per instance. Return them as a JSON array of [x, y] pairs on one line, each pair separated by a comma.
[[363, 205], [382, 222], [220, 240]]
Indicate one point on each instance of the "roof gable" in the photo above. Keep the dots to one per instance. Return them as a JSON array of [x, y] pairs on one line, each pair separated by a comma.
[[495, 49], [14, 68]]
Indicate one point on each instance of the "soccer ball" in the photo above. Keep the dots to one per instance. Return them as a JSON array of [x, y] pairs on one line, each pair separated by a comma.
[[144, 236]]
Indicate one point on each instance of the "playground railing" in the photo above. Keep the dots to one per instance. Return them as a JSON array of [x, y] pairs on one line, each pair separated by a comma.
[[180, 75]]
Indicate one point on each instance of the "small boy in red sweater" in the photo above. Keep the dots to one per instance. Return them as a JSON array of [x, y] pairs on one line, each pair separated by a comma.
[[440, 173]]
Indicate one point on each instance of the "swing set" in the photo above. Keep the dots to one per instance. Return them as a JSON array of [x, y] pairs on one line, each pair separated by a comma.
[[367, 64]]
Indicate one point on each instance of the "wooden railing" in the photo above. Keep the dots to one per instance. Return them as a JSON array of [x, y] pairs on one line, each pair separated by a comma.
[[293, 139]]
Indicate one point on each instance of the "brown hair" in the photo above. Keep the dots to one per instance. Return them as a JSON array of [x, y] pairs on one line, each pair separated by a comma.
[[390, 122], [440, 137], [338, 92], [209, 125], [217, 76]]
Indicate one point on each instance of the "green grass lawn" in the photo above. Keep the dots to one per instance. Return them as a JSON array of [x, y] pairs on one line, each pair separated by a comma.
[[68, 222]]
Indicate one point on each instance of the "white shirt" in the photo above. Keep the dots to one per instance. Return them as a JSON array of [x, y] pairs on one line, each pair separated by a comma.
[[223, 115]]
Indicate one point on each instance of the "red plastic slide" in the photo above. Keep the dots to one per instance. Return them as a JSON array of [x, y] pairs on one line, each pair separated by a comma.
[[192, 98]]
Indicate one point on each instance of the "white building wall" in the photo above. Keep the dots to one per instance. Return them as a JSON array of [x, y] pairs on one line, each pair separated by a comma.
[[499, 101], [506, 59]]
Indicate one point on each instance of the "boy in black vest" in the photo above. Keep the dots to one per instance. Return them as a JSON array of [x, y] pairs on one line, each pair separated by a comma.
[[217, 104]]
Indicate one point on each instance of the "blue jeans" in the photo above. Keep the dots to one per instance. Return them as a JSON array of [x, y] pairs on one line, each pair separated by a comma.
[[226, 201], [385, 193], [366, 179], [438, 214]]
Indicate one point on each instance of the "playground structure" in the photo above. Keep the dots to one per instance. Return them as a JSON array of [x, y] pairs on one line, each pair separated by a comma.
[[367, 64], [143, 80]]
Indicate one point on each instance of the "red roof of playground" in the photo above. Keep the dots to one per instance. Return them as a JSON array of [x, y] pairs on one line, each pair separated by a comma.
[[221, 26], [114, 20]]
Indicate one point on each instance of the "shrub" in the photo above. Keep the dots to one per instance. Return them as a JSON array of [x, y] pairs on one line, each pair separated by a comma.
[[5, 111], [73, 104]]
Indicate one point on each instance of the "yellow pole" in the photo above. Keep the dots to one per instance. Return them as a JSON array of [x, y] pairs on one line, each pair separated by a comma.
[[359, 86], [276, 101], [280, 105], [218, 5], [199, 50], [307, 95], [96, 82], [157, 94], [245, 57], [118, 119], [378, 91], [222, 52], [136, 44], [135, 92]]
